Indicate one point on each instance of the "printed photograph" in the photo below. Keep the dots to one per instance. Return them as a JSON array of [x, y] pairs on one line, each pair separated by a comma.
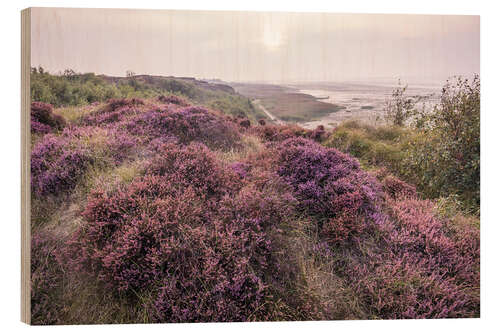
[[221, 166]]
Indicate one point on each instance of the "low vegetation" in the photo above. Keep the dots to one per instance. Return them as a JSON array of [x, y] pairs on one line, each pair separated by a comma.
[[159, 209], [77, 89], [438, 150]]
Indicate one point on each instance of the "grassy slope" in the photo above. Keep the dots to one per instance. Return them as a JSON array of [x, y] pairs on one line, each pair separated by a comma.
[[84, 89], [318, 280]]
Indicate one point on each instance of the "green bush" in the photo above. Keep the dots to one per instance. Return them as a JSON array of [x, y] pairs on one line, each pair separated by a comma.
[[439, 153]]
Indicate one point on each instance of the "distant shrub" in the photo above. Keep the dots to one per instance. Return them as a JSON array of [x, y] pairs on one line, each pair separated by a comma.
[[43, 120], [115, 104], [319, 134], [245, 123], [172, 99], [277, 133], [400, 107], [70, 88], [398, 189]]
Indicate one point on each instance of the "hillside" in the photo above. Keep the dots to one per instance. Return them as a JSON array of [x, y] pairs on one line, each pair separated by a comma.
[[169, 206], [77, 89]]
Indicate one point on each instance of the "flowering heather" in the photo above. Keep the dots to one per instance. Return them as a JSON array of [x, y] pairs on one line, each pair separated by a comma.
[[187, 124], [43, 120], [56, 166], [245, 123], [240, 168], [115, 104], [37, 127], [206, 218], [108, 115], [318, 134], [330, 185], [397, 188], [172, 99], [278, 133], [58, 162], [417, 269], [205, 259]]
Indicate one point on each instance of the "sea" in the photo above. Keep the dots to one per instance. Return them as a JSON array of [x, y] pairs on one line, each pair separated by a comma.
[[364, 101]]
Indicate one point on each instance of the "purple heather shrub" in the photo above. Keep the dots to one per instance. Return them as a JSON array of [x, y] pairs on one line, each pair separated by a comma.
[[397, 188], [172, 99], [43, 120], [187, 124], [330, 185], [244, 123], [115, 104], [56, 166], [319, 134], [278, 133], [418, 269], [422, 234], [240, 168], [37, 127], [110, 115], [195, 166], [188, 232], [58, 162]]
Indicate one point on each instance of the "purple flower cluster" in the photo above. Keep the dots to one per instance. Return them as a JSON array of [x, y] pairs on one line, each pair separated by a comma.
[[43, 120], [274, 133], [172, 99], [418, 268], [191, 232], [330, 185], [187, 124], [56, 166], [58, 162], [397, 188]]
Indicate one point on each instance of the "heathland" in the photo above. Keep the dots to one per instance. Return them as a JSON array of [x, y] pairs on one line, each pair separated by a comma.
[[162, 199]]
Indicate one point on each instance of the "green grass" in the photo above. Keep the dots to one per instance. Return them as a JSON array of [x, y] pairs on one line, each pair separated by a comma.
[[373, 146]]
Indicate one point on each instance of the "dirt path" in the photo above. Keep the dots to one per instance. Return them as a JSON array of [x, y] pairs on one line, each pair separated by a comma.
[[257, 103]]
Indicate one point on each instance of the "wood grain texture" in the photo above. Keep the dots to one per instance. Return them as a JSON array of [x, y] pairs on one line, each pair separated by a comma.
[[25, 165]]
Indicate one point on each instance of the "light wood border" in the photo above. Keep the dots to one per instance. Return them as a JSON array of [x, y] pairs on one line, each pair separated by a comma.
[[25, 166]]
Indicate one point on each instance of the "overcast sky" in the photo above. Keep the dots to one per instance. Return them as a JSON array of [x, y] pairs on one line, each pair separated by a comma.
[[256, 46]]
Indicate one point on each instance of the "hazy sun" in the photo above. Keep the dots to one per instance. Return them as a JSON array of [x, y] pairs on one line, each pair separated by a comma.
[[272, 38]]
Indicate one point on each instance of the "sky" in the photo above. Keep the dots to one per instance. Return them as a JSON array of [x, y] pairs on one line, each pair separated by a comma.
[[256, 46]]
